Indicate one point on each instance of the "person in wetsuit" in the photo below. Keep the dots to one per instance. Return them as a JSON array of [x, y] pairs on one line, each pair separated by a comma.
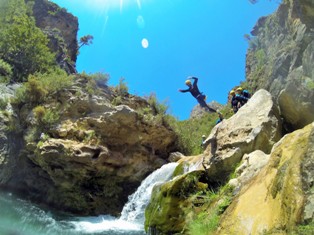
[[200, 97]]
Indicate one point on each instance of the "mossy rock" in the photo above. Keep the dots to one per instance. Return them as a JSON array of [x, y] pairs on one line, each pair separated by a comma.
[[171, 203]]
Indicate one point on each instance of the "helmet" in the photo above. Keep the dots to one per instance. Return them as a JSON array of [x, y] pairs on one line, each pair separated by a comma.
[[232, 92], [188, 82], [239, 89], [203, 136]]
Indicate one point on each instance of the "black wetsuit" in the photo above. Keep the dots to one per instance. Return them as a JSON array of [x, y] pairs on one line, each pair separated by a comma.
[[237, 101], [193, 89]]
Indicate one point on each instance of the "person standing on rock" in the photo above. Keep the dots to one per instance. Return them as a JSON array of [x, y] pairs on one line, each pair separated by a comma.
[[199, 96], [233, 101], [237, 100], [244, 94]]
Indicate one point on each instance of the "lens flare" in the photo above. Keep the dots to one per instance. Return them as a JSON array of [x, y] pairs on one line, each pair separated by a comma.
[[145, 43]]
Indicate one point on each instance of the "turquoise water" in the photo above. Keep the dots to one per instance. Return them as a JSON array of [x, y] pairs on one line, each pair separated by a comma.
[[20, 217]]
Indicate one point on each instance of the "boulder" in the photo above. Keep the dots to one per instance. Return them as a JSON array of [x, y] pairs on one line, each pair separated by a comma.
[[256, 126], [170, 205], [281, 195], [176, 156], [251, 165]]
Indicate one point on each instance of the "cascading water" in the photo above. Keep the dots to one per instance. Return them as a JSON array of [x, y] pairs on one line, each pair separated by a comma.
[[132, 215], [134, 210], [29, 219]]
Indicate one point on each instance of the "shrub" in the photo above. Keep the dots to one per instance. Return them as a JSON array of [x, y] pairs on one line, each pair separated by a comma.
[[45, 117], [42, 85], [100, 78], [122, 88], [22, 44], [3, 103], [94, 80], [159, 108], [5, 68]]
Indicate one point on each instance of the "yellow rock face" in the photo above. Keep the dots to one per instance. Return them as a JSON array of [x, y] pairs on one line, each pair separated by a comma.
[[273, 202]]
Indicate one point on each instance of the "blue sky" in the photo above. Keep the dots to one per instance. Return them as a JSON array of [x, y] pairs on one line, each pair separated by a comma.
[[202, 38]]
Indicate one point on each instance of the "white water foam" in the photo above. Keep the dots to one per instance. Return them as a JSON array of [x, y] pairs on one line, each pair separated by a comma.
[[133, 213], [105, 223], [134, 209]]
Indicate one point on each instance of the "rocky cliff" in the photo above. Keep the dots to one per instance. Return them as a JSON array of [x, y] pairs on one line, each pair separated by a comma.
[[251, 179], [280, 196], [61, 28], [280, 59], [93, 157]]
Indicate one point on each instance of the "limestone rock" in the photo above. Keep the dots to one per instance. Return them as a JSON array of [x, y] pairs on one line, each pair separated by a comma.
[[280, 60], [10, 144], [168, 209], [94, 157], [256, 126], [61, 28], [176, 156], [281, 195], [251, 165]]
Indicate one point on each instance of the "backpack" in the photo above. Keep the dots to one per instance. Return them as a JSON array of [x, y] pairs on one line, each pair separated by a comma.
[[246, 94]]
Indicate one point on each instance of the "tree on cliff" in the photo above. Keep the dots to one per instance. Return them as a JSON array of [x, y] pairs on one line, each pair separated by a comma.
[[22, 44], [86, 40]]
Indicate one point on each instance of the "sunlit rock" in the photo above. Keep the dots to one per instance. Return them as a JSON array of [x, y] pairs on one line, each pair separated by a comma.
[[281, 195], [256, 126]]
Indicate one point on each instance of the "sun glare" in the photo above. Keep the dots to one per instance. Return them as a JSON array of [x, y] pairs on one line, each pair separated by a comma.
[[113, 3]]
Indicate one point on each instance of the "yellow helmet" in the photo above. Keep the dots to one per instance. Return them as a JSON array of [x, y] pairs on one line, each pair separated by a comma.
[[232, 92], [239, 89], [187, 82]]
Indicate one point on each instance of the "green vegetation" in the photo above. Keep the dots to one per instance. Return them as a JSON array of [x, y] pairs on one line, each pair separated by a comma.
[[158, 107], [46, 117], [94, 80], [194, 206], [190, 131], [310, 85], [23, 46], [205, 223], [304, 229], [86, 40], [207, 220], [36, 94], [5, 72], [41, 86], [122, 88]]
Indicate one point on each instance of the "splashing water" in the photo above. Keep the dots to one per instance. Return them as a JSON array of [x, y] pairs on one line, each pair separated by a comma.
[[29, 219], [134, 210]]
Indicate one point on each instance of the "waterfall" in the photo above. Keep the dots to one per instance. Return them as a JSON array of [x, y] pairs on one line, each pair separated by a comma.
[[132, 216], [29, 219], [134, 209]]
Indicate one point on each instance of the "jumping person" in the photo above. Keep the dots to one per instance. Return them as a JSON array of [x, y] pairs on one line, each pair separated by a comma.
[[200, 97]]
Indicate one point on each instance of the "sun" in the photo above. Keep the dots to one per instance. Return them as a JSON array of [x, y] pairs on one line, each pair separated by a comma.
[[114, 3]]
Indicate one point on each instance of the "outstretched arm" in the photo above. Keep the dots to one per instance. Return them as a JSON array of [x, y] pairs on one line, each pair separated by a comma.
[[184, 90]]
